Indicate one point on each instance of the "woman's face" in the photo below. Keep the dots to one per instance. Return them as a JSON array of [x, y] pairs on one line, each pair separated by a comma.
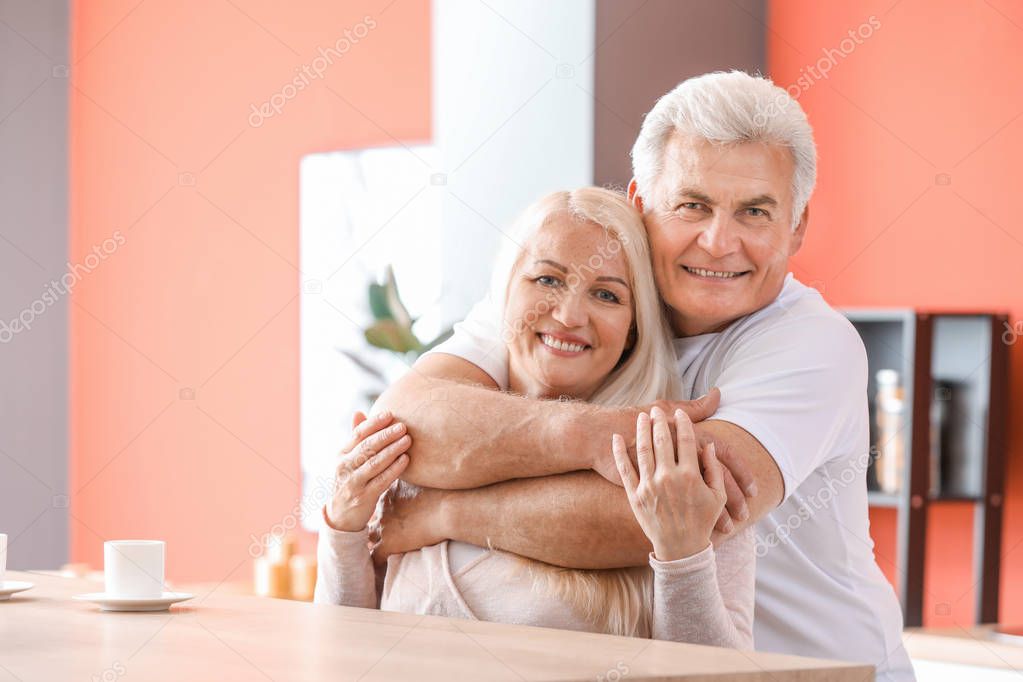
[[569, 310]]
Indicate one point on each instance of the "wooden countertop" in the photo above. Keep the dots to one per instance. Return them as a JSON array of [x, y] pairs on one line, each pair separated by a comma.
[[977, 645], [219, 636]]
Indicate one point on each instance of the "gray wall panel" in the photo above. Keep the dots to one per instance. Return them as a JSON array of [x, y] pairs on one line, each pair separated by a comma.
[[678, 39], [33, 252]]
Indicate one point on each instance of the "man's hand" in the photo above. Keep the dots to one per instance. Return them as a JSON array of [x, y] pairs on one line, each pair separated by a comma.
[[697, 410], [408, 519], [740, 485]]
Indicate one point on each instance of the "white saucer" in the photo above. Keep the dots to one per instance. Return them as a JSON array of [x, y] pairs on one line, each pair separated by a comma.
[[109, 602], [9, 587]]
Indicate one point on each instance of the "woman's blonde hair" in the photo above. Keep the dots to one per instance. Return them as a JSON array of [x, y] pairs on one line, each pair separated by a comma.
[[616, 601]]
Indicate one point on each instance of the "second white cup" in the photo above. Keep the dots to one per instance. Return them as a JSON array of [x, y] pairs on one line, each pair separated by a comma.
[[133, 568]]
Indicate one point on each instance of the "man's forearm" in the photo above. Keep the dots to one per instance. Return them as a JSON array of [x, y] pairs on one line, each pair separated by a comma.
[[466, 435], [580, 520], [576, 520]]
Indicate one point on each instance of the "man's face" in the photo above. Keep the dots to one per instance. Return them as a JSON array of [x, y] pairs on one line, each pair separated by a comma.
[[720, 230]]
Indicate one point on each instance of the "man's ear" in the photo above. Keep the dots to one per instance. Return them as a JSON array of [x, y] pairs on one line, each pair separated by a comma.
[[634, 197], [800, 232]]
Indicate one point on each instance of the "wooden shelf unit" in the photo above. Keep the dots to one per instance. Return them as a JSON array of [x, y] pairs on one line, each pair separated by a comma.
[[927, 348]]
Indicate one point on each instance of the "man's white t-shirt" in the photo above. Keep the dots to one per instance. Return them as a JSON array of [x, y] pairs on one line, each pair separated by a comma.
[[794, 375]]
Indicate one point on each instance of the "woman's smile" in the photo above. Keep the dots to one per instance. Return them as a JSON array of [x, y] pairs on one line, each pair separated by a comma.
[[563, 345]]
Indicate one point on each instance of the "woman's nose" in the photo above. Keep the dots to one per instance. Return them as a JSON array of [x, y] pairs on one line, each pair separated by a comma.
[[570, 310]]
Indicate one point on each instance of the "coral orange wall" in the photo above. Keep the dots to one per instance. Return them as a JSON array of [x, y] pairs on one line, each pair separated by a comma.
[[184, 337], [920, 134]]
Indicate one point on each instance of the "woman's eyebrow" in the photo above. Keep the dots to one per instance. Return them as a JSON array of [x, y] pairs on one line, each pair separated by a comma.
[[613, 279], [555, 264], [562, 268]]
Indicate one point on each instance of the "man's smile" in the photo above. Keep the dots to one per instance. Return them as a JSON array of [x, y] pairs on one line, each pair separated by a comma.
[[705, 273]]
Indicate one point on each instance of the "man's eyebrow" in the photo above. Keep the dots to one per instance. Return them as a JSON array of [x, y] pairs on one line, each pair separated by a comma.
[[692, 193], [555, 264], [760, 200]]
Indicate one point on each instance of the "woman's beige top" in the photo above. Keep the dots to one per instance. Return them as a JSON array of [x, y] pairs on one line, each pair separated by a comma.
[[703, 599]]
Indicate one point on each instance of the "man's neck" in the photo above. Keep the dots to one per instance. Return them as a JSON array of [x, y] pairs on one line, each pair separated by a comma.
[[685, 327]]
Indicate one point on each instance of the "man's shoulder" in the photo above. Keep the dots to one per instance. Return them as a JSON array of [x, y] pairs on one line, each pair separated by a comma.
[[797, 330], [799, 312]]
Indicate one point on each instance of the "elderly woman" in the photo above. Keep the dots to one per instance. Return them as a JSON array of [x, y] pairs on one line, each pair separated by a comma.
[[583, 321]]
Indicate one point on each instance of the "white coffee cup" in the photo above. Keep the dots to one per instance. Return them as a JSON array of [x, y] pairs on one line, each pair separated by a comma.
[[3, 557], [133, 568]]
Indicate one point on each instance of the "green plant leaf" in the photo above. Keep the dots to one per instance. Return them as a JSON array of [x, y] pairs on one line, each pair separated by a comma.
[[378, 302], [390, 335], [397, 309]]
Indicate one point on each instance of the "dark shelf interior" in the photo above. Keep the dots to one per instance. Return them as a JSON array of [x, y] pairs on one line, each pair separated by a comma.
[[961, 371]]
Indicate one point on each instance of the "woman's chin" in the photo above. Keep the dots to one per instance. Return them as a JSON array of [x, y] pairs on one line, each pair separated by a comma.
[[557, 386], [578, 381]]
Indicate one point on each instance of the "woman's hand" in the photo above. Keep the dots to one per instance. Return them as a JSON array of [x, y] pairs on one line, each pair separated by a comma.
[[676, 505], [697, 410], [370, 463]]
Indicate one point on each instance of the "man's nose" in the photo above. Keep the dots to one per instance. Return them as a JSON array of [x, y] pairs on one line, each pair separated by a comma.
[[719, 238], [570, 310]]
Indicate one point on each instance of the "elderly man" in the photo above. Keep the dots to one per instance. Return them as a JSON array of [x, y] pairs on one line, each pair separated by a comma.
[[723, 171]]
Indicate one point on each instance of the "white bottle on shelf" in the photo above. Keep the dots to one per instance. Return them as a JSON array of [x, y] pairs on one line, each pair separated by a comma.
[[891, 405]]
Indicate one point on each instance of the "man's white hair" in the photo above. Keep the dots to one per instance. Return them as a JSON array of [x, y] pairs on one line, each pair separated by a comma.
[[727, 108]]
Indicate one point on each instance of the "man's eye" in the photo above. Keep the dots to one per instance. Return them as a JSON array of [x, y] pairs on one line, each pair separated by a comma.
[[756, 212], [609, 296], [691, 205]]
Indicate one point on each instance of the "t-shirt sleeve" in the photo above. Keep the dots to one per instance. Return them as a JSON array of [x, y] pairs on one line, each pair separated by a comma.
[[799, 387], [478, 339]]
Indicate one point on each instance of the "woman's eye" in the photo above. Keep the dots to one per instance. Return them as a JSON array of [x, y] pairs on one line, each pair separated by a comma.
[[547, 281], [608, 296]]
